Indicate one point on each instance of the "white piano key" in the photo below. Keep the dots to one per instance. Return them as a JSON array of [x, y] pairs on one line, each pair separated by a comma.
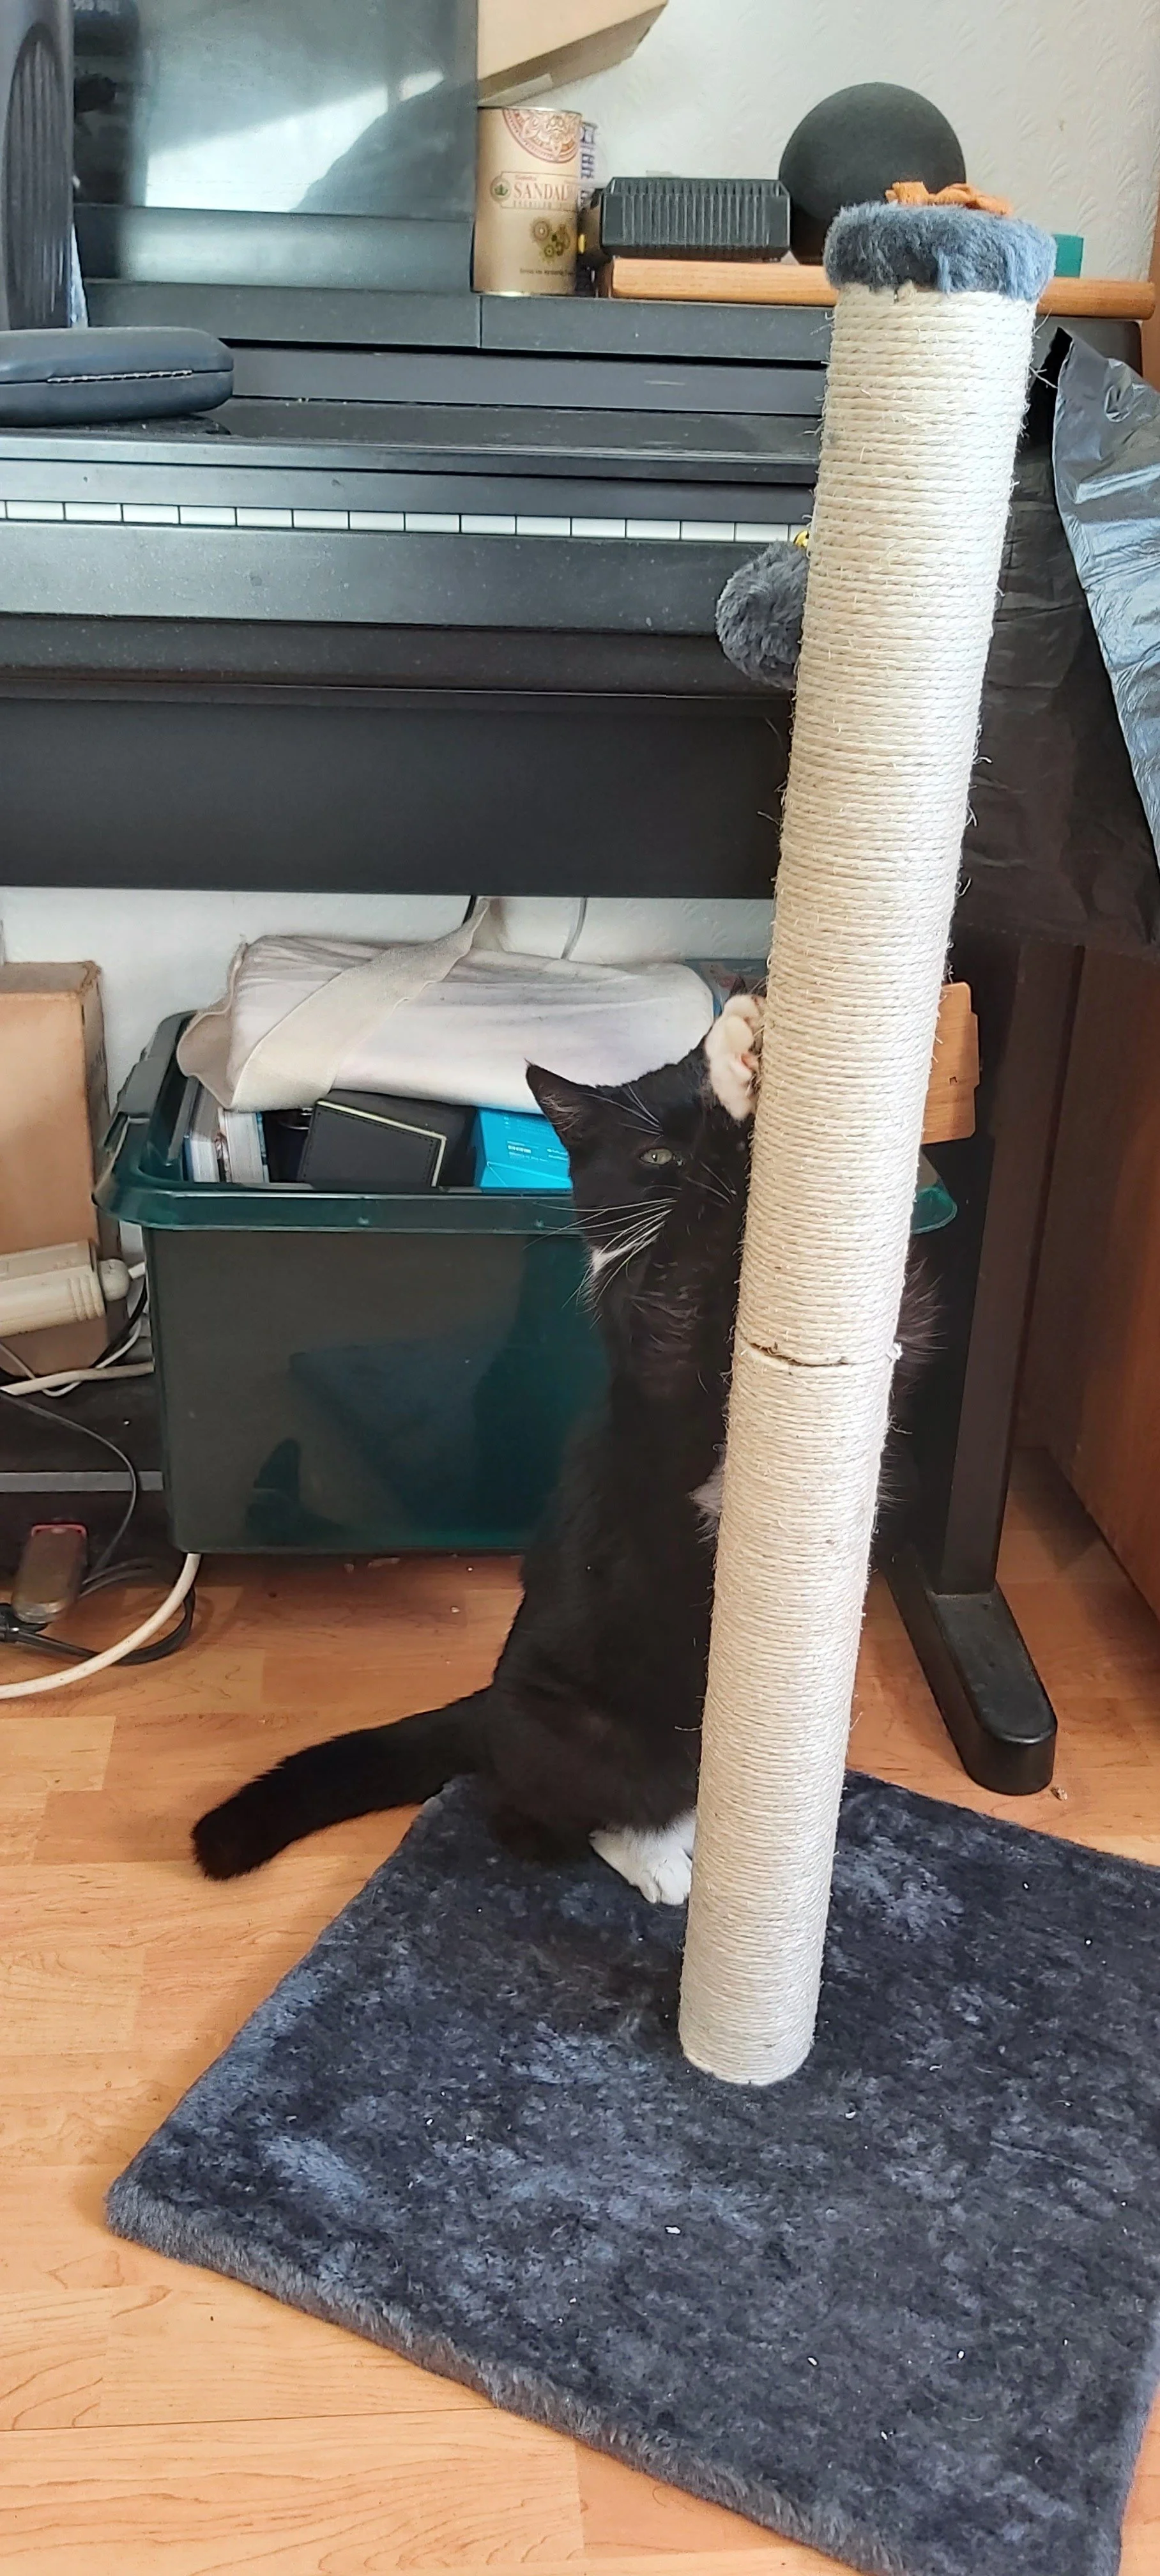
[[322, 519], [432, 523], [668, 529], [534, 526], [93, 514], [250, 515], [598, 527], [487, 523], [711, 532], [377, 522], [205, 514], [150, 514], [38, 511], [761, 532]]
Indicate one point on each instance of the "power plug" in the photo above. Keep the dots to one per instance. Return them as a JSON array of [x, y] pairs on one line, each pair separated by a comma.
[[63, 1283]]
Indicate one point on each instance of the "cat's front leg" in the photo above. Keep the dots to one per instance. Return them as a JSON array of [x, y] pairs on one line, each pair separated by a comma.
[[658, 1861], [733, 1054]]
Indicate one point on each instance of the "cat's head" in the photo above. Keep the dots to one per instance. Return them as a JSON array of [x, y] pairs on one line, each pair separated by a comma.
[[627, 1147]]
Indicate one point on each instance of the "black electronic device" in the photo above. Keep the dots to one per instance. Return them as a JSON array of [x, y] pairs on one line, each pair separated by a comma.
[[268, 143], [35, 163], [663, 218], [368, 1140]]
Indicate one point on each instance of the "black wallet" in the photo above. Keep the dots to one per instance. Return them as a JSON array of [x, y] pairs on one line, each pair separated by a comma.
[[92, 375], [363, 1140]]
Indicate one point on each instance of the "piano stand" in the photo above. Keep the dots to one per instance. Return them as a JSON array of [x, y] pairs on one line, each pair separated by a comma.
[[944, 1580], [989, 1695]]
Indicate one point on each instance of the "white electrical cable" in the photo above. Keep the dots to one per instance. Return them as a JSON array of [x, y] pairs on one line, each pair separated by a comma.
[[141, 1636], [63, 1381], [77, 1377]]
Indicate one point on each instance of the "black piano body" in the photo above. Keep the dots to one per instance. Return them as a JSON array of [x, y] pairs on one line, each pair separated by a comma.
[[426, 607], [430, 605]]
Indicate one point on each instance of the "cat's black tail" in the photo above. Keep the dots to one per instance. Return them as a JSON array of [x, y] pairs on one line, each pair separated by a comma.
[[350, 1775]]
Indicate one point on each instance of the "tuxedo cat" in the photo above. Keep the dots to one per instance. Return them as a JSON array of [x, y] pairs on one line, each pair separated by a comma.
[[589, 1732]]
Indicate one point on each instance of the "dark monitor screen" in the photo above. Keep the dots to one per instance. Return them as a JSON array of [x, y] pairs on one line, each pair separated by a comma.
[[277, 107]]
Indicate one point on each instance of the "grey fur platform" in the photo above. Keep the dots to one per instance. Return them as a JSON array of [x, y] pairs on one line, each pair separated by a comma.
[[903, 2307], [759, 615], [950, 248]]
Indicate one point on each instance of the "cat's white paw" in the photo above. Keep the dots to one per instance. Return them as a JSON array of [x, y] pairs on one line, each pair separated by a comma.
[[733, 1054], [659, 1864]]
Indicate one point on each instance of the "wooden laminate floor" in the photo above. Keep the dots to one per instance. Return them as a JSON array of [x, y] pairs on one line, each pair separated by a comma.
[[158, 2422]]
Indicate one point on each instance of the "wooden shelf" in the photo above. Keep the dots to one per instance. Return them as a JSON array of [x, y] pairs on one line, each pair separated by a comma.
[[723, 281]]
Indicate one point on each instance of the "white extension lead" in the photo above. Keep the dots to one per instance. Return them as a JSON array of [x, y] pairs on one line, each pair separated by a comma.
[[141, 1636], [62, 1283], [77, 1377]]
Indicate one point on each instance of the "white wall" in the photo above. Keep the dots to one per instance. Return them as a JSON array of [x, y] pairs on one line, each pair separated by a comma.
[[1057, 105], [160, 953], [1056, 102]]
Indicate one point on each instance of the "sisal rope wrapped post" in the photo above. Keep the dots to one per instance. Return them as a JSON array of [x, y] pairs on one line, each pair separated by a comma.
[[927, 383]]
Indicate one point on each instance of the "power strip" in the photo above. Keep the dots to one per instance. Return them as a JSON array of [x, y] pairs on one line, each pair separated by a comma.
[[63, 1283]]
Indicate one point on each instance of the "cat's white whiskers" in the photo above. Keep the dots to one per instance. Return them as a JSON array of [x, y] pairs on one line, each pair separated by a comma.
[[607, 1259], [638, 1108], [632, 1209], [624, 1250]]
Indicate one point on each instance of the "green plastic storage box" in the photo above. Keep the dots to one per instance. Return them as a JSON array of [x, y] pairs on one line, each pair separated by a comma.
[[363, 1375]]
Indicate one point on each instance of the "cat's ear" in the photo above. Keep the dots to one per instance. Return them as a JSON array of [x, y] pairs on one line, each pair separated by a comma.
[[569, 1105]]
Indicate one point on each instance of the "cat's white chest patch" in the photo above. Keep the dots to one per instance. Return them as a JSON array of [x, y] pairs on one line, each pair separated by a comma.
[[707, 1497]]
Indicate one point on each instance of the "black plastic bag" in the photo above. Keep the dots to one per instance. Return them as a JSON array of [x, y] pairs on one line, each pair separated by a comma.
[[1060, 846]]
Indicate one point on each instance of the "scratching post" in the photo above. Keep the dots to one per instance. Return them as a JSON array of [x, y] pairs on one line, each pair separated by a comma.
[[927, 380]]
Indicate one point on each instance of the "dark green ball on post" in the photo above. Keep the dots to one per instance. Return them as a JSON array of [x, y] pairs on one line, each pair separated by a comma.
[[852, 147]]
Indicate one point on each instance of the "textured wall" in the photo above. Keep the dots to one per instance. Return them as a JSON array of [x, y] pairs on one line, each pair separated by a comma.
[[1056, 102]]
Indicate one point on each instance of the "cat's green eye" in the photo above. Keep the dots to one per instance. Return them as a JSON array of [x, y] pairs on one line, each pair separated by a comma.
[[655, 1157]]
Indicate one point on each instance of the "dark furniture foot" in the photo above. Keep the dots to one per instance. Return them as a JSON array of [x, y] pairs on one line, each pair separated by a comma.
[[990, 1696]]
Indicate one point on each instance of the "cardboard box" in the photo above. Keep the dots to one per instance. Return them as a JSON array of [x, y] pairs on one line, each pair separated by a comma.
[[528, 46], [954, 1072], [54, 1109]]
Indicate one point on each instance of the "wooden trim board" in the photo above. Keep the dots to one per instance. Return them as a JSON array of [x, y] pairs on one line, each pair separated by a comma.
[[1092, 1388], [742, 281], [954, 1072]]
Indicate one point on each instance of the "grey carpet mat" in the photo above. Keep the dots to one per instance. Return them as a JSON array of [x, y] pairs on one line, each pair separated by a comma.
[[904, 2307]]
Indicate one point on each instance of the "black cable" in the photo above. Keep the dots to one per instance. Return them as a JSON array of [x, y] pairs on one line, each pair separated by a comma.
[[121, 1341], [44, 1413], [105, 1571], [128, 1569], [14, 1633]]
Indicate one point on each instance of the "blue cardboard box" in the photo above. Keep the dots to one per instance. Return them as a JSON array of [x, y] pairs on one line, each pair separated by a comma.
[[518, 1151]]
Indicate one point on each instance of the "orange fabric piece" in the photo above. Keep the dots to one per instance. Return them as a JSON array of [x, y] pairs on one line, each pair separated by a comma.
[[911, 192]]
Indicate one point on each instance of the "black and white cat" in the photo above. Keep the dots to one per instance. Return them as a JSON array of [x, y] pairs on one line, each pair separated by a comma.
[[589, 1732]]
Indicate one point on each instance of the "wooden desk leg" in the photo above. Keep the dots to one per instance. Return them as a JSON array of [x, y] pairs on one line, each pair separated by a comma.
[[988, 1691]]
